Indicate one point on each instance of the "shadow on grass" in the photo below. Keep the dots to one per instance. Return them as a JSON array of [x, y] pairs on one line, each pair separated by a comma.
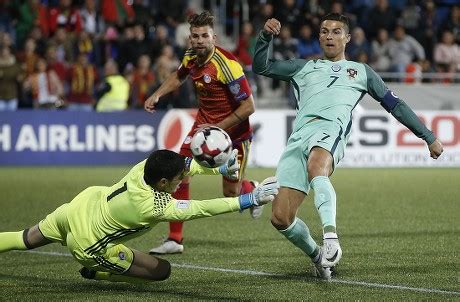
[[86, 288]]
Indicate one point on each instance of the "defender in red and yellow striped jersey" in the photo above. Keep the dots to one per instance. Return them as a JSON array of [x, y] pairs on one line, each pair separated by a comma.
[[225, 100]]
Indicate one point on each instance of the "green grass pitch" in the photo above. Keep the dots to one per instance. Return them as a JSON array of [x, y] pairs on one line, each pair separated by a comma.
[[399, 232]]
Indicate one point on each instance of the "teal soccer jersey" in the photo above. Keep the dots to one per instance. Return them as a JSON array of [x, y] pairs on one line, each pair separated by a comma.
[[328, 91]]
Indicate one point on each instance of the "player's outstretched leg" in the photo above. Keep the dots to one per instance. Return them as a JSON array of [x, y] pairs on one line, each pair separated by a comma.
[[325, 202], [22, 240], [144, 268]]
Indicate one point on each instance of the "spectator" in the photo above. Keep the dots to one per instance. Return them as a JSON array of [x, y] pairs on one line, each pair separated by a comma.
[[403, 50], [58, 67], [167, 63], [113, 94], [381, 16], [263, 12], [92, 21], [64, 45], [447, 53], [117, 12], [159, 42], [453, 23], [65, 16], [84, 44], [182, 34], [308, 46], [10, 75], [29, 57], [45, 87], [380, 50], [31, 13], [410, 19], [143, 81], [358, 45], [82, 78], [429, 25], [288, 14]]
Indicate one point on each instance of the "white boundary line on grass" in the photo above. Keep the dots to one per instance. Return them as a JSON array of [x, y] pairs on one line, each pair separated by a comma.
[[258, 273]]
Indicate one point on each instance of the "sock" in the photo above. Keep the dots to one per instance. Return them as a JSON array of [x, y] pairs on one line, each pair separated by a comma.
[[325, 202], [299, 234], [175, 228], [12, 241], [246, 187], [117, 278]]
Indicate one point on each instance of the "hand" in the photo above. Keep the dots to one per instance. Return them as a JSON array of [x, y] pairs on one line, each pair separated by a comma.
[[231, 168], [266, 191], [150, 103], [272, 26], [435, 149]]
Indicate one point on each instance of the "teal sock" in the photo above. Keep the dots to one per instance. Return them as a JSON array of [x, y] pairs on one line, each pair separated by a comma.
[[325, 201], [12, 241], [299, 234]]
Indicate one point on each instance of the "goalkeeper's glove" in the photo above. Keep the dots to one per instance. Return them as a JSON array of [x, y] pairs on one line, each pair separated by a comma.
[[264, 193], [232, 167]]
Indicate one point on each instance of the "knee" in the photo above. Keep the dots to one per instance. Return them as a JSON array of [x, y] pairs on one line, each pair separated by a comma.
[[281, 220], [162, 271]]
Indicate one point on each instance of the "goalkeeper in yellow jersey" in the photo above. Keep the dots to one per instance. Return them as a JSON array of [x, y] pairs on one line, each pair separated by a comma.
[[98, 220]]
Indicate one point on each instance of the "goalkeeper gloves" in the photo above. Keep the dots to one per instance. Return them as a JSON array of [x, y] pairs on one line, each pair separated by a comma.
[[232, 167], [264, 193]]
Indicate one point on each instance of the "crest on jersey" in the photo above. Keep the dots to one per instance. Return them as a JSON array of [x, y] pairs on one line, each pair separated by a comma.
[[207, 78], [235, 88], [352, 73], [122, 256], [336, 68]]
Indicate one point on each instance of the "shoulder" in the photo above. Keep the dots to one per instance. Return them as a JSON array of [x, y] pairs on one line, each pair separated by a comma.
[[227, 65], [189, 56]]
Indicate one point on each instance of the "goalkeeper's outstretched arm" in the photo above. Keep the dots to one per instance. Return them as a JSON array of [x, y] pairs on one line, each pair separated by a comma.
[[181, 210]]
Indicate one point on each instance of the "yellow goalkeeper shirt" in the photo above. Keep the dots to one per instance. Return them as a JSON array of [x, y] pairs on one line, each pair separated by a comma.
[[102, 216]]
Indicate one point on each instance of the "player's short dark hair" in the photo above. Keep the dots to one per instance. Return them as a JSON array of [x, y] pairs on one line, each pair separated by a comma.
[[337, 17], [163, 164], [203, 19]]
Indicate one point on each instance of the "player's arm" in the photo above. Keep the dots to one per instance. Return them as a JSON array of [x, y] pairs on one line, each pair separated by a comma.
[[262, 64], [172, 82], [401, 111], [181, 210], [241, 113]]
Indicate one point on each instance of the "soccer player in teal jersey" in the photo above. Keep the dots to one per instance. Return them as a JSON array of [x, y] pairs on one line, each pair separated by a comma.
[[98, 220], [327, 91]]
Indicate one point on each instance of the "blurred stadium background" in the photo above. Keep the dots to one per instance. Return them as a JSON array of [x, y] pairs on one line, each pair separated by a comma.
[[399, 223]]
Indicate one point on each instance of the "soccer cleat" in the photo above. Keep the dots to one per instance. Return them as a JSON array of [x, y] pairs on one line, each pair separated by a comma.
[[321, 271], [331, 252], [87, 273], [167, 247], [256, 211]]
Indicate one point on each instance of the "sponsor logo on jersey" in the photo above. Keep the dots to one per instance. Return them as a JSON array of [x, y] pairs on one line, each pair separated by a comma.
[[122, 256], [352, 73], [182, 204], [207, 78], [336, 68], [235, 88]]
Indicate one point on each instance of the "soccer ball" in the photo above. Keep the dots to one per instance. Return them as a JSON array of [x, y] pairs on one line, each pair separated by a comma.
[[211, 147]]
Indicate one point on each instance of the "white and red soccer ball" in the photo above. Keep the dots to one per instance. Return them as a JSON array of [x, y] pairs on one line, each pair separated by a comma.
[[211, 147]]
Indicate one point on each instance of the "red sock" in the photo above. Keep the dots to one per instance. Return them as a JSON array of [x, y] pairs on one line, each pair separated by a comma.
[[246, 187], [175, 227]]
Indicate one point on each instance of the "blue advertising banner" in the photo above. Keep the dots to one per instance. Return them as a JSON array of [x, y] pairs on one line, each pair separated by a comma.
[[82, 138]]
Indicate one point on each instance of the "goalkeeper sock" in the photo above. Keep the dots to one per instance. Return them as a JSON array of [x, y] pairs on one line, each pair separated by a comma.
[[299, 234], [325, 202], [12, 241], [246, 187]]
